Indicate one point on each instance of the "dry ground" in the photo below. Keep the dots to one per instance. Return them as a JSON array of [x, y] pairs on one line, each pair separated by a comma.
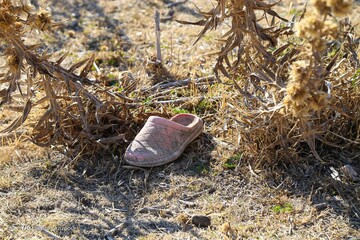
[[100, 197]]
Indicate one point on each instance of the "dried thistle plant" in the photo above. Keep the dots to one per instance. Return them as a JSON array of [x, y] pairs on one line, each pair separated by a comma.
[[309, 88], [75, 111], [294, 88], [252, 31]]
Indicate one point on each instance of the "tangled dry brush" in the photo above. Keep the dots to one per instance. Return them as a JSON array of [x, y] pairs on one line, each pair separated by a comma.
[[69, 109], [296, 81]]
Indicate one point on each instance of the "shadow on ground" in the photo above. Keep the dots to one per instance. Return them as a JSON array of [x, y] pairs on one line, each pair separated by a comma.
[[128, 202], [110, 199], [324, 184], [82, 20], [104, 198]]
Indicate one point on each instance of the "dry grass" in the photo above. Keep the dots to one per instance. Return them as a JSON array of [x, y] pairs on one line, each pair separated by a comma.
[[237, 172], [290, 85]]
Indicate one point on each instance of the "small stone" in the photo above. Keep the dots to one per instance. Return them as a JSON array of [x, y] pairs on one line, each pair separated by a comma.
[[201, 221]]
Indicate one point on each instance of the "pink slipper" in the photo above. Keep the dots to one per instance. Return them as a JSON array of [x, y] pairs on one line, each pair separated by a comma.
[[161, 141]]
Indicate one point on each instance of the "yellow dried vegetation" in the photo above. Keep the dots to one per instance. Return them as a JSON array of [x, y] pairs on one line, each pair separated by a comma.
[[291, 82], [65, 107], [297, 80]]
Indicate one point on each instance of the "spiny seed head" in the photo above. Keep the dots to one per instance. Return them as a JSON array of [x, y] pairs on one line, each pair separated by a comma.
[[296, 91], [300, 71], [12, 16], [6, 16], [16, 6], [18, 25], [321, 6], [236, 5], [297, 110], [309, 27], [42, 20], [13, 63], [340, 8], [318, 101], [319, 44], [331, 28]]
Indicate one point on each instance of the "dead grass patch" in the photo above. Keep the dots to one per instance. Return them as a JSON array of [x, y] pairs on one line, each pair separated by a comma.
[[237, 173], [19, 151]]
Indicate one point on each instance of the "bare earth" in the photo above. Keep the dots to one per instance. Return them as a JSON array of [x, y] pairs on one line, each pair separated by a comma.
[[103, 198]]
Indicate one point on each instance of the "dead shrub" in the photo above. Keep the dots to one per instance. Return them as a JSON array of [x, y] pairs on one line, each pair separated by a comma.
[[289, 88], [64, 106], [292, 88]]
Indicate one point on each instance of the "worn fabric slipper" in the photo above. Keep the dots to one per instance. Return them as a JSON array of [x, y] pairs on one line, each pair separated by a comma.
[[162, 140]]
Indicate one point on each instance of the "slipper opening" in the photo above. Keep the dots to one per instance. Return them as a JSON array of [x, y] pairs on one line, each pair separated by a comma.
[[184, 119]]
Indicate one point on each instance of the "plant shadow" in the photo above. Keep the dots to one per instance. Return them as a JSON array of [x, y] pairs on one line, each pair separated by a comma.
[[117, 197], [324, 184]]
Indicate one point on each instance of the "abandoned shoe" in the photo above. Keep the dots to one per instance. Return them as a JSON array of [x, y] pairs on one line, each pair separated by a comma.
[[162, 140]]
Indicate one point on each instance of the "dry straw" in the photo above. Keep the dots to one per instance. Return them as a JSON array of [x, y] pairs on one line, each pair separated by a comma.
[[292, 88], [69, 109]]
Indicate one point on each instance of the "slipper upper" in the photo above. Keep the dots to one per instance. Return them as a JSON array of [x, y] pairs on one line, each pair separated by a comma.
[[162, 140]]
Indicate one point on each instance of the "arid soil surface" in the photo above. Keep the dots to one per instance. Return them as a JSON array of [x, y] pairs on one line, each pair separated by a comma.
[[103, 198]]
